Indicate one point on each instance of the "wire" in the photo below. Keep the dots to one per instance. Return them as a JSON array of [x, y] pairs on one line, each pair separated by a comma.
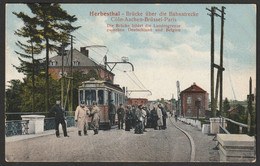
[[139, 80], [229, 74], [110, 53]]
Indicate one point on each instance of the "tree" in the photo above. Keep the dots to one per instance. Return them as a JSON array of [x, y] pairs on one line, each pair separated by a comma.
[[54, 25], [226, 107], [26, 94], [13, 98], [32, 47]]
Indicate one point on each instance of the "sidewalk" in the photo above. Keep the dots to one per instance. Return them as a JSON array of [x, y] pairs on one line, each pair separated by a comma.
[[204, 144], [30, 136]]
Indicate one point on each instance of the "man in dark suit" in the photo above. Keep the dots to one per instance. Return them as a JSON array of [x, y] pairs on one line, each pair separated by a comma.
[[57, 111]]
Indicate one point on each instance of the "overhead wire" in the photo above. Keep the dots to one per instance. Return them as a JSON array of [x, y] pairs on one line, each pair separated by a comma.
[[114, 56]]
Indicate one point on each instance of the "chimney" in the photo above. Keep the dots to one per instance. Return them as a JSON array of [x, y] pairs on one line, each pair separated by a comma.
[[84, 51]]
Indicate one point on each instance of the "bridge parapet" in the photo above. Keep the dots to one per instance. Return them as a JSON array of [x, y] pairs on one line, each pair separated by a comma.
[[236, 147]]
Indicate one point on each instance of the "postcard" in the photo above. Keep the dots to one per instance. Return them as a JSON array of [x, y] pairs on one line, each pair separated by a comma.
[[93, 82]]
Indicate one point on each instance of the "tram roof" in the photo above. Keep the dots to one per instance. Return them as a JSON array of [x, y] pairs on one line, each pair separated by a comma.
[[105, 83]]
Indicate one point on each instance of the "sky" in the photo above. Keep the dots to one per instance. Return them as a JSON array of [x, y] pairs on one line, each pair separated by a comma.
[[160, 59]]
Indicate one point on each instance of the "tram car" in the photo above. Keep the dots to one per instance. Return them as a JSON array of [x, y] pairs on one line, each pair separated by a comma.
[[102, 92]]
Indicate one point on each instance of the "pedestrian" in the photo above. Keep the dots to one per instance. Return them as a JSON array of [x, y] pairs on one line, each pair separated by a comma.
[[144, 115], [176, 117], [128, 118], [154, 117], [95, 113], [134, 107], [139, 120], [164, 116], [121, 116], [58, 112], [111, 112], [81, 117], [160, 117]]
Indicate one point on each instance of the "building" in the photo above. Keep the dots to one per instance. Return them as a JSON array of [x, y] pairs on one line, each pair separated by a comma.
[[138, 101], [232, 111], [80, 62], [194, 101]]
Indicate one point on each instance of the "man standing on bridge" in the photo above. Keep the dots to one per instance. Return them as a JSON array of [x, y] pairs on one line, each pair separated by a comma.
[[81, 117], [58, 112], [95, 112], [154, 117], [111, 112], [164, 116], [120, 115]]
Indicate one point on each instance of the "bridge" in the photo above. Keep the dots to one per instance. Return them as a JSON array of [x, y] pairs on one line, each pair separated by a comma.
[[180, 142]]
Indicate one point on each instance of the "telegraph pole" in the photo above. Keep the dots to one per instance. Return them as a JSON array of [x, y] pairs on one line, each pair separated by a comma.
[[213, 108], [221, 60], [71, 71], [219, 81], [250, 99], [62, 75]]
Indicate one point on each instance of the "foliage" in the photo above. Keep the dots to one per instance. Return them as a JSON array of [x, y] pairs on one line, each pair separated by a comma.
[[13, 98], [226, 107], [52, 25]]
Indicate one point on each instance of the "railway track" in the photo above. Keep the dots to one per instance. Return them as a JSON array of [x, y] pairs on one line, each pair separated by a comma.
[[192, 144]]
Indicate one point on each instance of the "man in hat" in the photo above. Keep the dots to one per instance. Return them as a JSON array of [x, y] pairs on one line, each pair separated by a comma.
[[128, 118], [164, 116], [111, 112], [81, 117], [144, 115], [58, 112], [121, 116], [139, 120], [160, 117], [95, 112]]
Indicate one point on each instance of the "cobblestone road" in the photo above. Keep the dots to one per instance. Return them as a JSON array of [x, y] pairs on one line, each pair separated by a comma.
[[169, 145]]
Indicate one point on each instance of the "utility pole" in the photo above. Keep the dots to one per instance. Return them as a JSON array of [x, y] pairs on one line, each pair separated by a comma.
[[221, 61], [219, 81], [71, 72], [250, 99], [213, 108], [62, 75]]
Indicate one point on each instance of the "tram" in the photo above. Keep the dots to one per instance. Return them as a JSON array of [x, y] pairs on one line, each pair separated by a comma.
[[102, 92]]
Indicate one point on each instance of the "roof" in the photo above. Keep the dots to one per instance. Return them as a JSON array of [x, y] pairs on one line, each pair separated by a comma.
[[84, 60], [232, 111], [194, 88]]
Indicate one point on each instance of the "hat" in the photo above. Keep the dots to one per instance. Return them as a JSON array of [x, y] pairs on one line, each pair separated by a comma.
[[94, 103], [82, 102]]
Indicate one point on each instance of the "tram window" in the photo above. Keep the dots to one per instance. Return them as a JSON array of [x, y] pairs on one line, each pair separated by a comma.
[[90, 96], [116, 103], [80, 95], [109, 96], [100, 97]]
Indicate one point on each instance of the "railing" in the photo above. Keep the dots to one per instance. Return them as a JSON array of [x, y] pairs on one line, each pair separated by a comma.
[[49, 123], [70, 121], [16, 127], [20, 127], [233, 126]]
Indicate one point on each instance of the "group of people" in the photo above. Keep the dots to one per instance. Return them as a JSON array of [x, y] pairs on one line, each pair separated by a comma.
[[82, 114], [137, 117]]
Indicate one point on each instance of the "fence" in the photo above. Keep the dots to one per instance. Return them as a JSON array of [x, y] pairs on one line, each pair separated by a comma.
[[16, 127], [233, 127], [20, 127]]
